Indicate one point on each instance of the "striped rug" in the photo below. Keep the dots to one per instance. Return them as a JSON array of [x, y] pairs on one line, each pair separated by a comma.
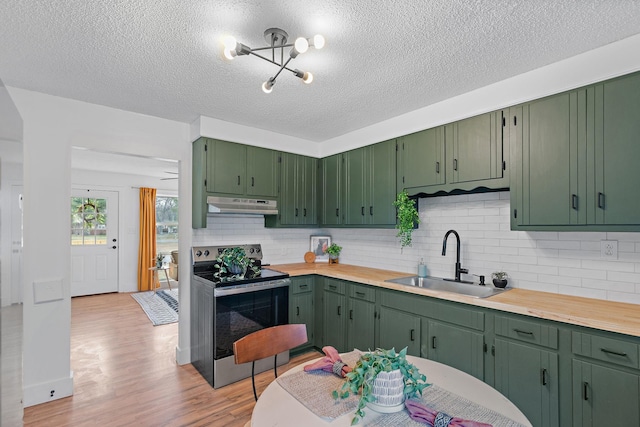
[[160, 307]]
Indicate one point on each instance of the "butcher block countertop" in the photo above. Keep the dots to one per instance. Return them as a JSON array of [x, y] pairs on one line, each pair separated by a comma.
[[593, 313]]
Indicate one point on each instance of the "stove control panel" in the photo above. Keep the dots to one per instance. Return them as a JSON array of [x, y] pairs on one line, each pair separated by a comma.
[[210, 253]]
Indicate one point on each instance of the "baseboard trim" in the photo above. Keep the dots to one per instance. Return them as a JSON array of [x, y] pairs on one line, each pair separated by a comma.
[[47, 392]]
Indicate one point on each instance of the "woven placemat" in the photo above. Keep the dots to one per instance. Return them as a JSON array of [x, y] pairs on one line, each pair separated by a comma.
[[450, 403], [316, 394]]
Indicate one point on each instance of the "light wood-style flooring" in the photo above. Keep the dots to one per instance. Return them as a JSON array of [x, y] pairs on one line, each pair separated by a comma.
[[125, 374]]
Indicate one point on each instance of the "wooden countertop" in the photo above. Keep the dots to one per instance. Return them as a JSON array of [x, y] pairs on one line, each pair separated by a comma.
[[610, 316]]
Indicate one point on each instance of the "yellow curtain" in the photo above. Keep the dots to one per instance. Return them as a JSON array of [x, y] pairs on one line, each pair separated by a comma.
[[147, 249]]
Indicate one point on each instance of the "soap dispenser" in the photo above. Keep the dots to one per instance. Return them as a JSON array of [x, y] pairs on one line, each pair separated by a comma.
[[422, 268]]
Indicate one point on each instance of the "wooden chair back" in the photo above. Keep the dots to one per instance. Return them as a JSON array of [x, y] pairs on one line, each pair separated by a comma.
[[266, 343]]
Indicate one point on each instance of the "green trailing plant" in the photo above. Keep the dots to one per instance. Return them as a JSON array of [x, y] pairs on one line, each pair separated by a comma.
[[407, 217], [334, 250], [232, 263], [360, 379]]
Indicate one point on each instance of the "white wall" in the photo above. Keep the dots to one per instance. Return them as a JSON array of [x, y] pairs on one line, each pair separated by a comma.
[[10, 174], [52, 125], [559, 262]]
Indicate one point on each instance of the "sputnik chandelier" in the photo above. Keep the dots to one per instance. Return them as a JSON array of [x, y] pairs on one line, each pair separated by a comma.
[[277, 39]]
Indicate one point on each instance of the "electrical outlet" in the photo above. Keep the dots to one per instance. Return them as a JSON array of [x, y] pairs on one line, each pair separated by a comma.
[[609, 249]]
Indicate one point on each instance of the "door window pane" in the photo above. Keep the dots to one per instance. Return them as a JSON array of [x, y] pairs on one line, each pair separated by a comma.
[[88, 221]]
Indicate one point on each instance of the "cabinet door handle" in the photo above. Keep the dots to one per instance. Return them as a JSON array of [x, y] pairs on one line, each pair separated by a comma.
[[433, 342], [371, 210], [304, 212], [360, 294], [455, 164], [238, 179], [520, 331], [303, 286], [437, 167], [337, 212], [333, 287], [543, 376], [252, 181], [362, 211], [296, 211], [297, 311], [350, 314], [574, 202], [339, 310], [411, 335], [585, 389], [615, 353], [601, 200]]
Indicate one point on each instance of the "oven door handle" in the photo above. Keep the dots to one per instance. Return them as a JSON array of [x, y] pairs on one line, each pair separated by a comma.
[[250, 287]]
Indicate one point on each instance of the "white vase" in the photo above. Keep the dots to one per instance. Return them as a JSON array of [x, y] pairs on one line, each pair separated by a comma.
[[388, 390]]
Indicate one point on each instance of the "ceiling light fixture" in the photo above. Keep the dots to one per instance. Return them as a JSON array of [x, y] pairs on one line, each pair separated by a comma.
[[277, 39]]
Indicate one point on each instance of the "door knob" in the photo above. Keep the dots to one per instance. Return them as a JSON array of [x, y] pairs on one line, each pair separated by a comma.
[[114, 240], [113, 247]]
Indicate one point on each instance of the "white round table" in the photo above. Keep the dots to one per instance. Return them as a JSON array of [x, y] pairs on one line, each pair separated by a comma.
[[276, 407]]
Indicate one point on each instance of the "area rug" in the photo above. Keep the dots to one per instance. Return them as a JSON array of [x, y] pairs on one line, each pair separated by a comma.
[[161, 307]]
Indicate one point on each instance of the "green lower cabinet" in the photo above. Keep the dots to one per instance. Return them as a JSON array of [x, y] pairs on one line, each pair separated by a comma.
[[454, 346], [604, 396], [335, 308], [301, 307], [361, 318], [529, 378], [399, 330]]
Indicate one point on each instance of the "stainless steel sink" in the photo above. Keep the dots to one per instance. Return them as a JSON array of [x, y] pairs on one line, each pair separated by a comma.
[[438, 284]]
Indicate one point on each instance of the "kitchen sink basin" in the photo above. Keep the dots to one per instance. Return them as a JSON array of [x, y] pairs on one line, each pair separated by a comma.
[[438, 284]]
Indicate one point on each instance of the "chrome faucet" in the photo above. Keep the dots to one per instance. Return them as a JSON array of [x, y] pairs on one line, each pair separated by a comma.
[[459, 269]]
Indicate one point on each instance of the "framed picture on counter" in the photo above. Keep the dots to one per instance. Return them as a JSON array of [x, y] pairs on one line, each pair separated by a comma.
[[318, 246]]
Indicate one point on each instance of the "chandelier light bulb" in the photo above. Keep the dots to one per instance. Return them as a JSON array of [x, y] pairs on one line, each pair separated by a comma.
[[229, 43], [307, 77], [318, 41], [301, 45], [230, 53], [267, 86]]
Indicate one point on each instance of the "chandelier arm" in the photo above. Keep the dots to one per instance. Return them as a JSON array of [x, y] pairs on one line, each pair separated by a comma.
[[282, 67], [275, 47], [274, 62]]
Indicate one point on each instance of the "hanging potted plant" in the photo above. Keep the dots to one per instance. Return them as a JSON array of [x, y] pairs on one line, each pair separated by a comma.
[[408, 217], [334, 253], [384, 379]]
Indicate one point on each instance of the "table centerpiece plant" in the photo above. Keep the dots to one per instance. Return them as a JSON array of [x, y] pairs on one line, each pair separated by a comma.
[[362, 377], [232, 263]]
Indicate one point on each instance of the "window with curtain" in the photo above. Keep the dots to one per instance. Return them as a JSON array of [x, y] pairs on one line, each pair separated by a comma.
[[166, 224]]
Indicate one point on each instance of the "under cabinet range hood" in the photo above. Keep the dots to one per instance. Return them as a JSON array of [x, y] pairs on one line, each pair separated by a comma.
[[238, 205]]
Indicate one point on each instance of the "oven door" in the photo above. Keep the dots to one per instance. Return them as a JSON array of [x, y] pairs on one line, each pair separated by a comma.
[[240, 314]]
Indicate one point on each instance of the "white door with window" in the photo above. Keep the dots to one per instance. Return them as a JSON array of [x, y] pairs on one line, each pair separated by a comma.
[[94, 242]]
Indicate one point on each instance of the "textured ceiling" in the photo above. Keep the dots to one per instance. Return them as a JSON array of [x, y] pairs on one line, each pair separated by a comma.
[[382, 59]]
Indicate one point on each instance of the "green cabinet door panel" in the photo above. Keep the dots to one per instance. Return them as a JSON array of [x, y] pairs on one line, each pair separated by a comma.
[[261, 175], [360, 325], [301, 310], [334, 328], [421, 159], [382, 183], [355, 181], [399, 330], [604, 397], [198, 187], [331, 191], [528, 377], [454, 346], [472, 148], [287, 208], [307, 199], [298, 198], [617, 151], [226, 167]]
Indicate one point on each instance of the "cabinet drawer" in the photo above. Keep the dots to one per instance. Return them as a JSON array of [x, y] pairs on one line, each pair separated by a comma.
[[334, 286], [610, 350], [527, 331], [299, 286], [365, 293]]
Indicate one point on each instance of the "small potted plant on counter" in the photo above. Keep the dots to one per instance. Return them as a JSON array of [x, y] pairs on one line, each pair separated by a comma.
[[334, 253], [384, 379], [500, 279]]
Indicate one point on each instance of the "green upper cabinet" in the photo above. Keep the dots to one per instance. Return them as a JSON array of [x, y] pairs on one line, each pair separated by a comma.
[[261, 172], [331, 190], [463, 155], [297, 204], [370, 174], [617, 151], [421, 159], [474, 148], [226, 167]]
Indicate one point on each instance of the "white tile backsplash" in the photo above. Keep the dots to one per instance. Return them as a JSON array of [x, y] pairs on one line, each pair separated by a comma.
[[559, 262]]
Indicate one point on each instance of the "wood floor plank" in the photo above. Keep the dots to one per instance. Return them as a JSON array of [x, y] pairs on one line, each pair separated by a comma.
[[125, 374]]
